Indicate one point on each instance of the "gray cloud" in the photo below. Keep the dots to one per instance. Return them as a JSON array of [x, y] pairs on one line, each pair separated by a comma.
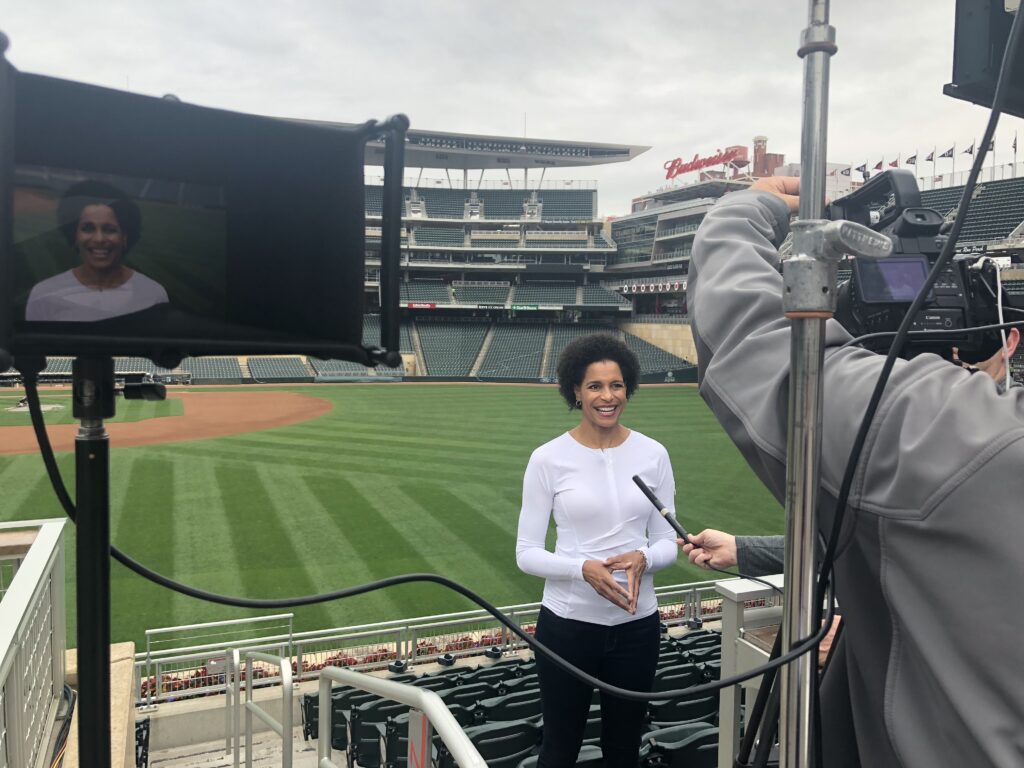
[[683, 76]]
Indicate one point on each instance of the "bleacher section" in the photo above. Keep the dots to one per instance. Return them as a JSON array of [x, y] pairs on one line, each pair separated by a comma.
[[560, 293], [280, 369], [515, 352], [450, 348], [442, 203], [454, 237], [499, 707], [219, 369], [596, 295], [568, 204], [997, 208], [428, 291], [480, 294], [553, 243], [371, 334], [652, 358]]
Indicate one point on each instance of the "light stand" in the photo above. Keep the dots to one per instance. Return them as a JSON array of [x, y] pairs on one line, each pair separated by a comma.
[[93, 396], [93, 401], [809, 279]]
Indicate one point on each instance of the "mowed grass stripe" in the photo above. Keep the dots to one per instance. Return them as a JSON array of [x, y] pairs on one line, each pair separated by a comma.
[[269, 564], [487, 456], [469, 534], [395, 466], [145, 533], [383, 549], [202, 531]]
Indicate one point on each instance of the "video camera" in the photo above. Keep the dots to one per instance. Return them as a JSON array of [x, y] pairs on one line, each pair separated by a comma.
[[880, 291]]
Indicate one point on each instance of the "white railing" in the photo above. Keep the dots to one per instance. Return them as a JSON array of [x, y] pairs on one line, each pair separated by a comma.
[[233, 705], [428, 710], [32, 635], [282, 728], [166, 673], [172, 674]]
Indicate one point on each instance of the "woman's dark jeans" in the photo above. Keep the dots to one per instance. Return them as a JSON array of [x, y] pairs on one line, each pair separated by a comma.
[[625, 655]]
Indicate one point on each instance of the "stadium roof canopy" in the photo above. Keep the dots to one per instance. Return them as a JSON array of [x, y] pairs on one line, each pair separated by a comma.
[[469, 151]]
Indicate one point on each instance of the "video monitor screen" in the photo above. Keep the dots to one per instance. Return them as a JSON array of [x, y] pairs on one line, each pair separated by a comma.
[[893, 279], [88, 249], [142, 226]]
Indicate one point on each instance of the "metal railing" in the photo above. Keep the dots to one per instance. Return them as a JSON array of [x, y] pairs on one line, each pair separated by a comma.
[[282, 728], [427, 710], [185, 672], [233, 706], [32, 639], [167, 673]]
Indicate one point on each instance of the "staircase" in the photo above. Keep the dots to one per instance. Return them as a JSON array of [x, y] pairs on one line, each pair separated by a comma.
[[421, 360], [546, 354], [475, 370]]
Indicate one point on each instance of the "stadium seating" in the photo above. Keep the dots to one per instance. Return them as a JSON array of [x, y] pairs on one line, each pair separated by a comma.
[[213, 369], [942, 200], [480, 294], [454, 237], [589, 757], [371, 334], [545, 293], [577, 243], [450, 348], [597, 295], [681, 746], [432, 291], [501, 745], [515, 352], [124, 365], [290, 369], [443, 203], [652, 358], [505, 241]]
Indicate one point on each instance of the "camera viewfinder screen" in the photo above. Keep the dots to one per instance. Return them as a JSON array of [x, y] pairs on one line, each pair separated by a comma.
[[893, 279], [91, 248]]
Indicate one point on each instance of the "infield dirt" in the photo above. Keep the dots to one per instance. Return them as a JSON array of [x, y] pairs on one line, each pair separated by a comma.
[[206, 414]]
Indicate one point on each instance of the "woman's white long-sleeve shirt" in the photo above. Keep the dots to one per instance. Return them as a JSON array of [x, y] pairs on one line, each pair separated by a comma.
[[599, 512]]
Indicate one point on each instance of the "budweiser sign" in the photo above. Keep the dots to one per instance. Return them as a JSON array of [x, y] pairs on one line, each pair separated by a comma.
[[679, 166]]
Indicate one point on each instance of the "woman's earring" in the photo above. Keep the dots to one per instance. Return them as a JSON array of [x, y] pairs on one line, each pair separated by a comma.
[[579, 405]]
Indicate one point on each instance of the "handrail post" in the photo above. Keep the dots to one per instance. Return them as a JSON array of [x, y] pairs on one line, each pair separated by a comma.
[[248, 711]]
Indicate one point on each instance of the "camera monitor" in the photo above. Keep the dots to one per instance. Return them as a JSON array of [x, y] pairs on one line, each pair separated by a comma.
[[135, 225], [982, 30]]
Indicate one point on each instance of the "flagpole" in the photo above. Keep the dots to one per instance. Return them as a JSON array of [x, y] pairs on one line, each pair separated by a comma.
[[935, 161], [953, 172], [1015, 154]]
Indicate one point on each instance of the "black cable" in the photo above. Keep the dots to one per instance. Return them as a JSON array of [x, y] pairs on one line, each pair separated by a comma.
[[825, 571], [800, 648]]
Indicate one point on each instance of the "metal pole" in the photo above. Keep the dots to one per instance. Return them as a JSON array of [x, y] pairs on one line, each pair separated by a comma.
[[805, 395], [93, 398]]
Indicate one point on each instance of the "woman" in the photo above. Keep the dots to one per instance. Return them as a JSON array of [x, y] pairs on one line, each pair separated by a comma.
[[102, 225], [599, 610]]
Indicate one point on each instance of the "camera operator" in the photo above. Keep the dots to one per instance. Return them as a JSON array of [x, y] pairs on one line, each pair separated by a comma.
[[929, 569]]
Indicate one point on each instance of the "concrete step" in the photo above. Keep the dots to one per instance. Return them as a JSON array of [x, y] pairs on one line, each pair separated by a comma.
[[266, 752]]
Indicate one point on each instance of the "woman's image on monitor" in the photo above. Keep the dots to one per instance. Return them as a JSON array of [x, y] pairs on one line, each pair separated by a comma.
[[101, 224]]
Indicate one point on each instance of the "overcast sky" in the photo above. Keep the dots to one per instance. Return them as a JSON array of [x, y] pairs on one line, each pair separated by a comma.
[[681, 76]]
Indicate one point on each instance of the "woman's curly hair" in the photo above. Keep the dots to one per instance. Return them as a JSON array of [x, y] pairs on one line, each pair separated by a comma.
[[580, 353]]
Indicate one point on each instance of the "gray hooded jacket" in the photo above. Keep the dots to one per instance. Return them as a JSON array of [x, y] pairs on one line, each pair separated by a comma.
[[930, 570]]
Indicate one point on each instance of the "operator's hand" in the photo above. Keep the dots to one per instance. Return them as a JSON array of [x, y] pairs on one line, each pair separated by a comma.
[[710, 548], [599, 576], [634, 564], [785, 187], [825, 647]]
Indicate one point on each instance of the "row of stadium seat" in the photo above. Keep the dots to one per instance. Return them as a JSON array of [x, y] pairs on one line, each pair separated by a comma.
[[450, 348], [558, 293], [500, 708]]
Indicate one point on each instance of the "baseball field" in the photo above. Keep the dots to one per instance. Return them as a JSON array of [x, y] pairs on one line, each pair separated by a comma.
[[272, 492]]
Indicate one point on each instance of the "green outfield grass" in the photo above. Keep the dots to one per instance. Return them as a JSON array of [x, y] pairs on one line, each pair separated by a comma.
[[395, 479], [127, 410]]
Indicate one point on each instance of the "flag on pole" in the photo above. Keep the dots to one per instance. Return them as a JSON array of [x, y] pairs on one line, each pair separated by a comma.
[[992, 146], [949, 152], [968, 151], [912, 160], [895, 163], [862, 168], [1014, 141], [833, 172], [846, 171], [930, 158], [878, 165]]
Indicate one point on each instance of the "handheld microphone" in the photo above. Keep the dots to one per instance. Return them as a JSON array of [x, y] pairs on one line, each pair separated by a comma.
[[661, 508]]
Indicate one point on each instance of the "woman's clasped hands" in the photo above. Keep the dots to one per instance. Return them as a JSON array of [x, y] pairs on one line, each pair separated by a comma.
[[600, 574]]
